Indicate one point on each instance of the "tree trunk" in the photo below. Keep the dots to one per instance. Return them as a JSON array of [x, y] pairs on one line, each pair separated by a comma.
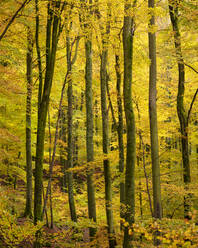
[[63, 160], [106, 162], [181, 112], [89, 133], [128, 30], [153, 118], [70, 134], [105, 133], [75, 143], [120, 134], [28, 208], [51, 45]]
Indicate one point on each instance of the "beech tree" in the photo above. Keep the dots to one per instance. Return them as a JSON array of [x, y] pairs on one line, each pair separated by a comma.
[[183, 114], [128, 33], [28, 208], [89, 116], [51, 46], [153, 117]]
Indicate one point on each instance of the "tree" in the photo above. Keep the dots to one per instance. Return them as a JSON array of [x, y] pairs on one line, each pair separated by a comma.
[[51, 46], [120, 132], [89, 120], [183, 114], [70, 124], [28, 208], [13, 18], [153, 116], [128, 32], [105, 31]]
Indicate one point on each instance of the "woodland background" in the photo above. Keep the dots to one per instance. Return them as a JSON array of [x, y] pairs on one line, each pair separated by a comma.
[[75, 167]]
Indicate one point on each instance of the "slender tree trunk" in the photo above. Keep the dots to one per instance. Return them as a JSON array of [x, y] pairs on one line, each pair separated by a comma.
[[70, 134], [63, 160], [75, 143], [89, 134], [105, 133], [28, 208], [120, 134], [89, 130], [50, 164], [128, 32], [153, 118], [181, 112], [51, 45], [140, 181], [106, 162], [38, 50], [89, 113], [96, 121], [118, 127]]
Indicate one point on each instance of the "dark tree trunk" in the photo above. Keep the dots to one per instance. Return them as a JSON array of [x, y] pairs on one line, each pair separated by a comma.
[[181, 112], [120, 134], [28, 208], [153, 118], [63, 155], [75, 143], [70, 134], [51, 45], [106, 162], [38, 53], [105, 132], [128, 30]]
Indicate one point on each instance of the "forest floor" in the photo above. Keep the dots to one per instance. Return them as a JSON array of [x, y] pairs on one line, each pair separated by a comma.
[[19, 232]]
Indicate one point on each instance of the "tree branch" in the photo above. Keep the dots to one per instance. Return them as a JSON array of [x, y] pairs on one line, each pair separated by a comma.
[[76, 50], [191, 105], [110, 103], [13, 18], [191, 67]]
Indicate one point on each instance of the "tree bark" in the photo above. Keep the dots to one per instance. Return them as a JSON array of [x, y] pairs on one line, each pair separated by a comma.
[[153, 117], [63, 160], [128, 32], [181, 112], [28, 208], [120, 134], [51, 46], [38, 50], [70, 134], [89, 127], [105, 132]]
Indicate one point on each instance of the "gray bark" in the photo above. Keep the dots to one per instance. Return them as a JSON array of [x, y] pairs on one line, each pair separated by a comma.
[[70, 133], [153, 118]]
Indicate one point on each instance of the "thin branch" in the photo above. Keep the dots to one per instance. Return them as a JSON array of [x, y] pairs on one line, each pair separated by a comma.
[[55, 143], [76, 50], [191, 105], [110, 103], [191, 67], [13, 18]]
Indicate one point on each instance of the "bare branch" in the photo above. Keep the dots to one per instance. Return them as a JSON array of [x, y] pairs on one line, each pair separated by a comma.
[[191, 67], [13, 18], [191, 105]]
